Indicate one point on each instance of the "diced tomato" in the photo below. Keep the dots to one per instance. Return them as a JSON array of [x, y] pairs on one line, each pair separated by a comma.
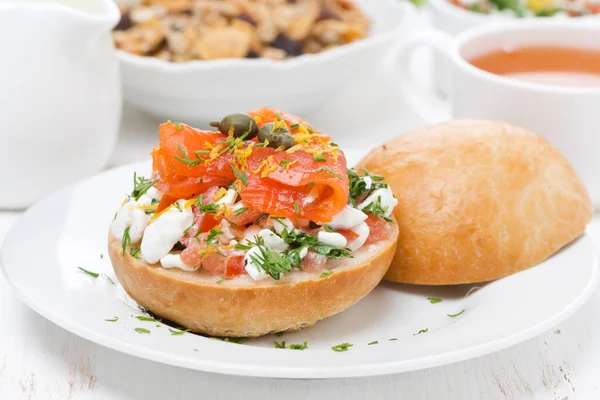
[[215, 263], [313, 262], [235, 266], [209, 221], [192, 254], [165, 202], [348, 234], [379, 229]]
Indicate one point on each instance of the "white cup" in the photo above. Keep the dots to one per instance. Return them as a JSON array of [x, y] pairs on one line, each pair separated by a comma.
[[453, 20], [569, 117]]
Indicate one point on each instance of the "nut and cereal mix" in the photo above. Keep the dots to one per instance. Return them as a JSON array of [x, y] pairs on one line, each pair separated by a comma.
[[184, 30]]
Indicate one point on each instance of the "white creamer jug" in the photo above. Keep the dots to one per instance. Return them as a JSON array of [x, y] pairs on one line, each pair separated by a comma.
[[60, 98]]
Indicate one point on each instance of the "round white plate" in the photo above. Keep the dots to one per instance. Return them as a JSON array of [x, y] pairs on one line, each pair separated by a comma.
[[41, 254]]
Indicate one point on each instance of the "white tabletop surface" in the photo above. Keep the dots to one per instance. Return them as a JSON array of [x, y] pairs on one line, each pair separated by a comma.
[[39, 360]]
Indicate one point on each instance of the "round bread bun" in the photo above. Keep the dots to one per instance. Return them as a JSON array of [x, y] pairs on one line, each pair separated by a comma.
[[477, 201], [241, 307]]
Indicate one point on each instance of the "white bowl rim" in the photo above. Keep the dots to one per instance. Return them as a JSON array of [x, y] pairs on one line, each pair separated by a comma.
[[408, 14], [446, 7], [531, 25]]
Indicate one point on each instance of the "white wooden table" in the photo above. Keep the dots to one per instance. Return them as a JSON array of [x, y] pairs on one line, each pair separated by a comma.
[[39, 360]]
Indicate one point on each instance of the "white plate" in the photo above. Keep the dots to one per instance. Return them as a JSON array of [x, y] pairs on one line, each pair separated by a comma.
[[41, 254]]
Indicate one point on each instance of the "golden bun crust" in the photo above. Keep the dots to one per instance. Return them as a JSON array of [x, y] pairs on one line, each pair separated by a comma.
[[477, 200], [243, 308]]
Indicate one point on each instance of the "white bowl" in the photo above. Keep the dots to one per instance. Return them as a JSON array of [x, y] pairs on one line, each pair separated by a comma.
[[197, 91], [453, 20]]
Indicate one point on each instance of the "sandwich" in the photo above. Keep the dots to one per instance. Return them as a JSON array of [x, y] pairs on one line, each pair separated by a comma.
[[252, 228]]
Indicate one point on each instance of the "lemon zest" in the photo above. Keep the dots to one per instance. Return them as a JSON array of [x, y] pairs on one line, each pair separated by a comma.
[[158, 214], [188, 204], [291, 164], [220, 194]]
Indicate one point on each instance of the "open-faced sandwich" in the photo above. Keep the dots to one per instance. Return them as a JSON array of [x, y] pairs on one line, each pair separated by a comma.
[[256, 228]]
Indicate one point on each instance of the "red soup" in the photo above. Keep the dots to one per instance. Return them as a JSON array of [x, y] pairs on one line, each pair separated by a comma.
[[550, 65]]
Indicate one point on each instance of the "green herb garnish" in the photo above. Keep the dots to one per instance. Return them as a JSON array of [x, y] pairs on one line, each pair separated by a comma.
[[235, 340], [241, 175], [279, 334], [199, 200], [434, 300], [186, 230], [376, 209], [320, 158], [421, 331], [301, 239], [96, 275], [341, 347], [279, 345], [115, 319], [187, 160], [326, 273], [144, 318], [392, 339], [178, 332], [212, 239], [239, 246], [455, 315], [142, 330], [90, 273], [284, 164], [220, 281], [240, 211], [296, 208], [373, 342], [126, 240], [209, 208], [298, 346], [178, 206], [329, 171], [272, 262], [294, 127], [177, 126], [358, 187], [327, 229], [140, 186]]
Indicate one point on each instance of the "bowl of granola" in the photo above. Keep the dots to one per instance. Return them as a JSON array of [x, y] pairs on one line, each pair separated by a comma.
[[194, 59]]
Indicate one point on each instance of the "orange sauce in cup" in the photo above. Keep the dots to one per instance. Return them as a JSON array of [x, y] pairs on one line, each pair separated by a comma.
[[549, 65]]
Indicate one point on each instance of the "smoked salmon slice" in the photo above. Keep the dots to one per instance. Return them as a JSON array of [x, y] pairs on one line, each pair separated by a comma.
[[308, 180]]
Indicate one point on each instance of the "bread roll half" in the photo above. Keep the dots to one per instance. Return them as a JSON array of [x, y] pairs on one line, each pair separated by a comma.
[[478, 200], [241, 307]]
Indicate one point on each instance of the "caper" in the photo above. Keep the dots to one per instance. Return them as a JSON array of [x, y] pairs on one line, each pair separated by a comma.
[[243, 125], [277, 137]]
